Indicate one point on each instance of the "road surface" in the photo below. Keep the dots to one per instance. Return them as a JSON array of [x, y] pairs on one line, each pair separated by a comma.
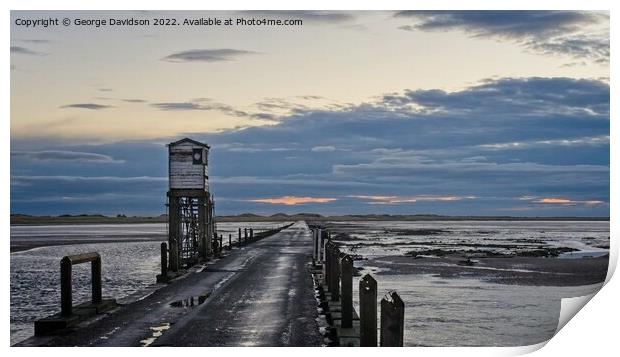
[[259, 295]]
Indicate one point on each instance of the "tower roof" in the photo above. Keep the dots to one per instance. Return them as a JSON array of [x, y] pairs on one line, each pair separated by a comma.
[[188, 140]]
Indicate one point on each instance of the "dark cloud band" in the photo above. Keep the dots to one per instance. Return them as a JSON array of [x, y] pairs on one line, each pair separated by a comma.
[[207, 55]]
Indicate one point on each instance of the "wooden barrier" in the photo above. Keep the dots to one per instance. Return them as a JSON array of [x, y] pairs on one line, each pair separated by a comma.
[[70, 315], [319, 246], [337, 282], [314, 250], [164, 259], [368, 311], [392, 320], [327, 266], [66, 287], [334, 267], [173, 256], [346, 268]]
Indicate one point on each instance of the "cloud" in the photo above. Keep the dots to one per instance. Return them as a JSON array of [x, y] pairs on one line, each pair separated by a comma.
[[511, 23], [293, 200], [547, 32], [207, 104], [327, 148], [207, 55], [111, 179], [34, 40], [562, 201], [389, 200], [419, 149], [459, 169], [57, 155], [577, 46], [179, 106], [283, 107], [90, 106], [24, 51], [521, 145], [534, 95]]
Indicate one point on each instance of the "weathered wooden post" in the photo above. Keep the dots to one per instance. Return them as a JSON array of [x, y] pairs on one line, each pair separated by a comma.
[[203, 228], [313, 231], [368, 311], [346, 305], [245, 235], [320, 246], [173, 256], [219, 251], [95, 275], [392, 320], [239, 241], [335, 274], [314, 247], [251, 235], [322, 242], [66, 298], [164, 260], [326, 268], [229, 241]]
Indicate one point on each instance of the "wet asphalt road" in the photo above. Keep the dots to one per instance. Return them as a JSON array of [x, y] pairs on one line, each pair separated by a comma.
[[259, 295]]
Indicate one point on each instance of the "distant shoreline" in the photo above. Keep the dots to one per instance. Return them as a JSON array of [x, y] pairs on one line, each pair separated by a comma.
[[19, 219]]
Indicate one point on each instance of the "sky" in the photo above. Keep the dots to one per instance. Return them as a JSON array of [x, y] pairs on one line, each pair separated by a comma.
[[362, 112]]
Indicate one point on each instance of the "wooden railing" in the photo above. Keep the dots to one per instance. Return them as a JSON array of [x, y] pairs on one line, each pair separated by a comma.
[[336, 278], [66, 286]]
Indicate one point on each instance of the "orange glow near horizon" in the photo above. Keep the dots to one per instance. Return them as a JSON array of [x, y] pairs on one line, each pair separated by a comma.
[[555, 201], [293, 200], [567, 201]]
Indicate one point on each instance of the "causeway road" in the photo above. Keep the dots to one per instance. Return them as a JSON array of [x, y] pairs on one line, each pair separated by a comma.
[[258, 295]]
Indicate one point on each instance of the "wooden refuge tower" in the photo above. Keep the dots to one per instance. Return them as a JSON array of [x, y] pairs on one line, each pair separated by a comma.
[[191, 226]]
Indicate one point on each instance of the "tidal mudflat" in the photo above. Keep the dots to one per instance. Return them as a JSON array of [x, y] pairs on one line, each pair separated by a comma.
[[489, 283]]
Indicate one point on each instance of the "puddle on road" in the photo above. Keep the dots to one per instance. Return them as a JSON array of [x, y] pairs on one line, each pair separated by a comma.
[[191, 301], [157, 332]]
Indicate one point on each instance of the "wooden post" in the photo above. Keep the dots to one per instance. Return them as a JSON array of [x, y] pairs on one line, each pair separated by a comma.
[[368, 311], [229, 241], [245, 235], [335, 274], [324, 244], [219, 251], [251, 235], [173, 233], [164, 260], [203, 231], [95, 276], [327, 272], [346, 305], [313, 246], [392, 320], [319, 245], [324, 239], [66, 298], [239, 241]]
